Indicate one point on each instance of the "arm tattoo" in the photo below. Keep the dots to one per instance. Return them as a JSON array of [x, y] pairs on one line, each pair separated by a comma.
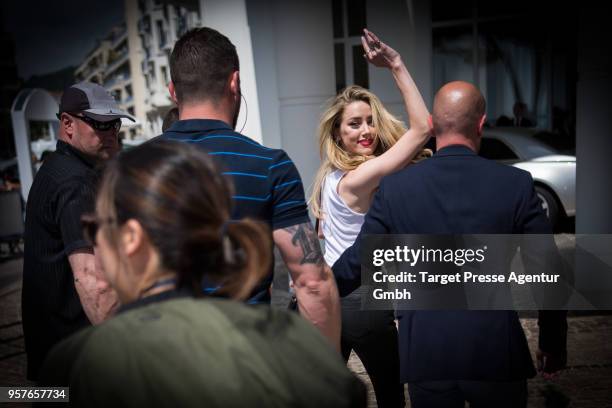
[[304, 236]]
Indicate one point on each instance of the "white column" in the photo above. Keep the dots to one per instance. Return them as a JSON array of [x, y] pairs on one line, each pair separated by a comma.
[[229, 17], [306, 77], [261, 15]]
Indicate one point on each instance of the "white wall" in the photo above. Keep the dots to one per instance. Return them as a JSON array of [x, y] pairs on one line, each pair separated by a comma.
[[306, 77], [262, 19], [294, 59], [230, 18]]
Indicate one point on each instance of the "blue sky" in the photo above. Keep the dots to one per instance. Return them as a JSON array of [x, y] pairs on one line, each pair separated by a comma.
[[51, 35]]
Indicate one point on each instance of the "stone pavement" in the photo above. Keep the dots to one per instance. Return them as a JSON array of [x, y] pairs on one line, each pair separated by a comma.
[[587, 383]]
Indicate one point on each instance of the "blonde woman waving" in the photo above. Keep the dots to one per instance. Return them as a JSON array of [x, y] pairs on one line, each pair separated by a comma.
[[360, 142]]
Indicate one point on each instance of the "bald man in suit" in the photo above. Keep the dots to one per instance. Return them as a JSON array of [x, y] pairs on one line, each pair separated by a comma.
[[449, 357]]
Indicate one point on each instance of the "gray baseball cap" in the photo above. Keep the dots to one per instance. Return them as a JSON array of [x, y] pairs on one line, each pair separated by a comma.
[[93, 101]]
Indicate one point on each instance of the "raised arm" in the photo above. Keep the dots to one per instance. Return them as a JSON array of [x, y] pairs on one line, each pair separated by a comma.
[[363, 180], [381, 55], [314, 283]]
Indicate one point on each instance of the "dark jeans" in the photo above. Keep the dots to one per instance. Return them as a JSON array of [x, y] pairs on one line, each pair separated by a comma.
[[479, 394], [373, 336]]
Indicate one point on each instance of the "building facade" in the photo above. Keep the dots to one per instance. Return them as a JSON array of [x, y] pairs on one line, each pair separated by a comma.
[[108, 64], [158, 25]]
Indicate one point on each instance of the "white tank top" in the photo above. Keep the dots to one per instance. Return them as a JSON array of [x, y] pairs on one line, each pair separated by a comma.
[[340, 224]]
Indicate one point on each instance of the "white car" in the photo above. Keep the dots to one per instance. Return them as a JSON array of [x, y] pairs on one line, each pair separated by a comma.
[[554, 174]]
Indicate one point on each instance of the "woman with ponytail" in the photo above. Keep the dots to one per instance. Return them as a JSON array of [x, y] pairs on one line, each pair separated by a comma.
[[162, 226]]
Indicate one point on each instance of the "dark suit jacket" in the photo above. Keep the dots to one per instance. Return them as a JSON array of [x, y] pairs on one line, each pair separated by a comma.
[[458, 192]]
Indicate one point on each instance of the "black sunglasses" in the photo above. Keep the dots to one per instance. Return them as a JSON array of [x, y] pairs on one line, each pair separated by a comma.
[[91, 224], [97, 125]]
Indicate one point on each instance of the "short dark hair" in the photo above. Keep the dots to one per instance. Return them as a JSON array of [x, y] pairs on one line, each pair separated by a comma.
[[201, 63]]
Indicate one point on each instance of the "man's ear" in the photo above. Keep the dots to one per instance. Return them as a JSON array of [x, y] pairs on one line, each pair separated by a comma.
[[234, 84], [481, 124], [132, 236], [430, 123], [172, 91], [68, 124]]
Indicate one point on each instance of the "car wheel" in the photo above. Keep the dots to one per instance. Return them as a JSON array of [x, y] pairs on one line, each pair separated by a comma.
[[549, 205]]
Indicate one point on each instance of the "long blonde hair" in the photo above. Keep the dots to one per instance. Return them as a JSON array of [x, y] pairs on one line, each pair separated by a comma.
[[389, 129]]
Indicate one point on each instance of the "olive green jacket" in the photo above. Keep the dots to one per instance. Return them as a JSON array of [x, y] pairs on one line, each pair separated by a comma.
[[205, 353]]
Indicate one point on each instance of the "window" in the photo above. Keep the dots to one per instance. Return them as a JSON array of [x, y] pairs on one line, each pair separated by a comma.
[[509, 51], [144, 25], [161, 33], [181, 25], [349, 19], [356, 16], [339, 65], [494, 149], [452, 56], [164, 72]]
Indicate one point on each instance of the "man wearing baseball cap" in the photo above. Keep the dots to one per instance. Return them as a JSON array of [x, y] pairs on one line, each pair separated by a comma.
[[63, 286]]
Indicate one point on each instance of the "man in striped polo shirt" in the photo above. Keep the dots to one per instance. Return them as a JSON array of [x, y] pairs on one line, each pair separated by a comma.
[[205, 86]]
